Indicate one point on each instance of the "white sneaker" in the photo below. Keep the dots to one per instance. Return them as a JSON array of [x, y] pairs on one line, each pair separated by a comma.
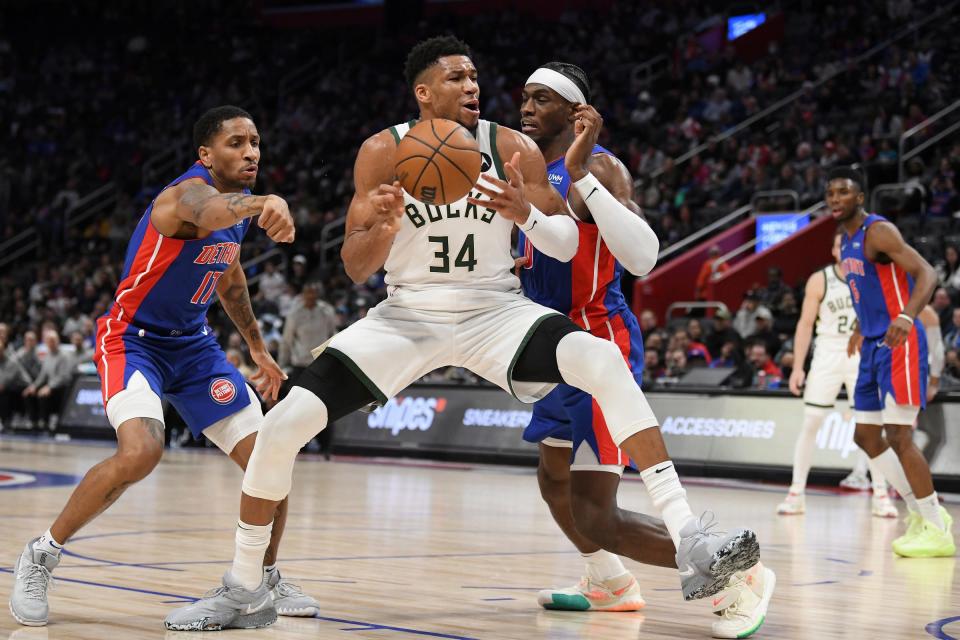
[[794, 505], [743, 608], [856, 481], [883, 507], [621, 593], [288, 598]]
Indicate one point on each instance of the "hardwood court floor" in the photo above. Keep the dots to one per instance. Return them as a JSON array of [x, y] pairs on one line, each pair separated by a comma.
[[407, 550]]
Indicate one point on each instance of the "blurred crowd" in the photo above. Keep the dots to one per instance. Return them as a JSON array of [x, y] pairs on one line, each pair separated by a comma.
[[81, 115]]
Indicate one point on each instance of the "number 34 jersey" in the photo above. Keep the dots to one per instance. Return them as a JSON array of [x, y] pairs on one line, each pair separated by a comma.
[[455, 245], [168, 283]]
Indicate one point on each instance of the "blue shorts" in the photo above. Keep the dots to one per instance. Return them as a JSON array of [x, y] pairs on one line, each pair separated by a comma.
[[570, 415], [900, 373], [191, 371]]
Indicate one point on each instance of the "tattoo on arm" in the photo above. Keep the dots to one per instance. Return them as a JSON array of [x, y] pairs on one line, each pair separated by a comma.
[[236, 302], [201, 201]]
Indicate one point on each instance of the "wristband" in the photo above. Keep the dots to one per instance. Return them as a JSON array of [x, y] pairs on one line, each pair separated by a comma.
[[535, 216], [906, 317]]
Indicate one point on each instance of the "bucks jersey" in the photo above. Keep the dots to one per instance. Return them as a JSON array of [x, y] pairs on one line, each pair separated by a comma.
[[836, 316], [458, 244]]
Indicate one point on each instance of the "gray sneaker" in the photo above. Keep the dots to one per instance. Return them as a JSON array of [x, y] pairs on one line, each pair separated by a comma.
[[706, 559], [227, 607], [28, 601], [288, 598]]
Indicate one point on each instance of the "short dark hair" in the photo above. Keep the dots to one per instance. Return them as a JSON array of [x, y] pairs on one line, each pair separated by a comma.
[[576, 75], [846, 173], [209, 123], [426, 53]]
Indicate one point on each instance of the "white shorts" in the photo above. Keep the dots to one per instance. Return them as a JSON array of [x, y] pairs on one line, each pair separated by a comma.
[[411, 333], [829, 371]]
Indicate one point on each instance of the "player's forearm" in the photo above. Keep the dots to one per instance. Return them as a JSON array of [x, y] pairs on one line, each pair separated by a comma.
[[925, 283], [222, 210], [555, 236], [801, 344], [629, 237], [235, 298], [365, 252]]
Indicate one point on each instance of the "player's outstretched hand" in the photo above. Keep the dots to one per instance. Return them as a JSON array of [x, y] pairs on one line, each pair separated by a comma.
[[268, 377], [506, 196], [387, 203], [276, 220], [797, 378], [897, 332], [587, 131]]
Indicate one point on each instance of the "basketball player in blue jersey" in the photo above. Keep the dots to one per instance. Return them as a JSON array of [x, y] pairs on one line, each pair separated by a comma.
[[154, 343], [890, 283], [463, 311], [580, 466]]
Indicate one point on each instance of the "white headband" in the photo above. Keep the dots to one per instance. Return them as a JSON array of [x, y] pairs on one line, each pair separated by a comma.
[[560, 83]]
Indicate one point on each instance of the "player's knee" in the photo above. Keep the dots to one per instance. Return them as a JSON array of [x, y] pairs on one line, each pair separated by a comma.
[[900, 438], [593, 359], [137, 456], [554, 486], [870, 440]]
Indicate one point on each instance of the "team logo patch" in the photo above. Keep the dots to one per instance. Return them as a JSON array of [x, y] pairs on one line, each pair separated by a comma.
[[22, 479], [223, 391]]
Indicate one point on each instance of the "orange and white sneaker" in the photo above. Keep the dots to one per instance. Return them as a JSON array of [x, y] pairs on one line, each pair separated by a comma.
[[882, 507], [794, 505], [621, 593], [743, 607]]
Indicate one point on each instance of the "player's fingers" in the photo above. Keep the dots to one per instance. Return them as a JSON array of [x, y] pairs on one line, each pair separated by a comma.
[[265, 218], [514, 175], [493, 203], [488, 191], [494, 183]]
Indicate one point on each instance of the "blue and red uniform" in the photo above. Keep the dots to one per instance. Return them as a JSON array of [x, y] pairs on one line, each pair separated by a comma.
[[157, 322], [880, 292], [587, 289]]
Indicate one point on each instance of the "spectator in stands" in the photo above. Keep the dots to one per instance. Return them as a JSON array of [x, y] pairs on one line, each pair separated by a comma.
[[652, 367], [942, 305], [943, 198], [786, 317], [695, 330], [771, 294], [272, 283], [952, 367], [709, 270], [676, 364], [721, 333], [237, 358], [298, 275], [951, 339], [307, 327], [82, 352], [45, 393], [948, 269], [766, 374], [745, 323], [696, 353], [648, 322], [13, 380], [730, 355], [27, 355], [763, 331]]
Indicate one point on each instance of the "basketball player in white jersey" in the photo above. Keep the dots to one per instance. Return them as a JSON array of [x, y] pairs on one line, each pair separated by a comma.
[[454, 300], [827, 304]]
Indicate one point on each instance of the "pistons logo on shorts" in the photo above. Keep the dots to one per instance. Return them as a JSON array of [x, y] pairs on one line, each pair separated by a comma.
[[223, 391]]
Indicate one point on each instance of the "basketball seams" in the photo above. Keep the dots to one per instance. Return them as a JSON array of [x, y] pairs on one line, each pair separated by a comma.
[[468, 157], [440, 153], [430, 159]]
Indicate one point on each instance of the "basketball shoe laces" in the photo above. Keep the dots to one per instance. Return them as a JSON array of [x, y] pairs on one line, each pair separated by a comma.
[[37, 580], [737, 585], [285, 589], [706, 524]]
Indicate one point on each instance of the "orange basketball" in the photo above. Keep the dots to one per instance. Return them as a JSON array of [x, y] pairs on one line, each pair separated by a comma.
[[438, 161]]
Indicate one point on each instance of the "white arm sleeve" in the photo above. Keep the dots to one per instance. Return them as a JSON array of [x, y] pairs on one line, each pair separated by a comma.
[[556, 236], [935, 346], [629, 237]]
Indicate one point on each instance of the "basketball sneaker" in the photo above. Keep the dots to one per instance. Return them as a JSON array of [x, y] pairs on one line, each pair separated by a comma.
[[743, 608], [882, 506], [28, 601], [930, 541], [230, 606], [621, 593], [706, 558], [288, 598], [856, 481], [913, 522], [794, 505]]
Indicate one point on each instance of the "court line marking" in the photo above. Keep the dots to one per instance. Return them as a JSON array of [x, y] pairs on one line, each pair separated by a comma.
[[372, 626], [935, 628]]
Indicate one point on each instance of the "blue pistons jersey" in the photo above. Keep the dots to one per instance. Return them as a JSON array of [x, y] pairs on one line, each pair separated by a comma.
[[586, 289], [156, 326]]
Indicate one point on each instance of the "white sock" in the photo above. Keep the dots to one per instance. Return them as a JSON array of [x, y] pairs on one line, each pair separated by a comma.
[[889, 465], [603, 565], [47, 543], [863, 463], [668, 496], [877, 478], [252, 543], [803, 450], [929, 508]]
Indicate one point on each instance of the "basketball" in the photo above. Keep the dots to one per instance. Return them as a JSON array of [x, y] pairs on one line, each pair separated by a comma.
[[438, 161]]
